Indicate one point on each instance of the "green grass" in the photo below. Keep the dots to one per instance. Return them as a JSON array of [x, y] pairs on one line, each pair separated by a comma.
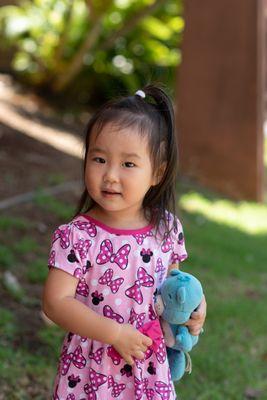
[[7, 223], [227, 244], [7, 258], [8, 327], [50, 203], [25, 245], [25, 374], [52, 337], [55, 179], [36, 271], [29, 350]]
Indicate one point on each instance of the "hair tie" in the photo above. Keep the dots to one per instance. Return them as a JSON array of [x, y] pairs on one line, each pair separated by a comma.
[[140, 93]]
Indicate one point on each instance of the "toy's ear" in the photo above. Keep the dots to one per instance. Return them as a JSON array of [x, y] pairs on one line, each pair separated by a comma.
[[180, 295]]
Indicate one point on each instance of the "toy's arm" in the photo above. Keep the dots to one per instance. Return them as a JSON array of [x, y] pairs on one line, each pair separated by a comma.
[[167, 333], [166, 329], [185, 341]]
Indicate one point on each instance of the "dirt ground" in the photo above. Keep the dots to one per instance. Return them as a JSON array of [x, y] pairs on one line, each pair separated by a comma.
[[28, 165]]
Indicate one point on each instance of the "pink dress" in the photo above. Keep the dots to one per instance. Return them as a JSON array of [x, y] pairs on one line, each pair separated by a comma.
[[119, 272]]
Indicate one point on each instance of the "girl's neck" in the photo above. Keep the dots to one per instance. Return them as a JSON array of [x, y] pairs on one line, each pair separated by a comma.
[[119, 221]]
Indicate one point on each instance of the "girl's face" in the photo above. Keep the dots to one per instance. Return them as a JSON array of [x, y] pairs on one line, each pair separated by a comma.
[[118, 171]]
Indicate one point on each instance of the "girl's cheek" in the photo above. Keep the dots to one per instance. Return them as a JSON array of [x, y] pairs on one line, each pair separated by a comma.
[[90, 168], [89, 173]]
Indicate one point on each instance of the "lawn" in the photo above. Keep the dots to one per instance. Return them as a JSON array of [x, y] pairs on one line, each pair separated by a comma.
[[227, 246], [226, 242]]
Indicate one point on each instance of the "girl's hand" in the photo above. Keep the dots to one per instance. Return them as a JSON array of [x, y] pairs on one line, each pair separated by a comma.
[[131, 343], [197, 318]]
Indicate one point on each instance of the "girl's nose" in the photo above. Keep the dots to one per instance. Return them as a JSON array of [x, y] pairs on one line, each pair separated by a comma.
[[111, 175]]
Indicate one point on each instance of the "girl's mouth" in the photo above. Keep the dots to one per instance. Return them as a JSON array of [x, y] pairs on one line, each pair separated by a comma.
[[106, 193]]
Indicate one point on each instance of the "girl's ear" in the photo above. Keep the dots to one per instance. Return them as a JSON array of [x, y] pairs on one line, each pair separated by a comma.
[[159, 174]]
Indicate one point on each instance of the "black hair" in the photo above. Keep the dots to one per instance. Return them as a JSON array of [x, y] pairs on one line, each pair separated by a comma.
[[153, 117]]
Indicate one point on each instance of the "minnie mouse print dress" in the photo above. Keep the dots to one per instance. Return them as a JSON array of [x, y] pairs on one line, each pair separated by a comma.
[[119, 271]]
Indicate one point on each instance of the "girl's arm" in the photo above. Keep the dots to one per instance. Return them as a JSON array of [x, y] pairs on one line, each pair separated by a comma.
[[60, 305], [173, 266]]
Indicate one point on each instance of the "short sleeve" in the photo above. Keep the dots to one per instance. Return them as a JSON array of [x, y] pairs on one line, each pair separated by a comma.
[[179, 252], [67, 250]]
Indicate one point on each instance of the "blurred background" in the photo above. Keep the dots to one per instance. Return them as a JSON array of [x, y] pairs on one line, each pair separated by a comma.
[[61, 59]]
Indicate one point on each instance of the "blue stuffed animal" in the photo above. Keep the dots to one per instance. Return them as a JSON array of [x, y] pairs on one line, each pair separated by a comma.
[[179, 295]]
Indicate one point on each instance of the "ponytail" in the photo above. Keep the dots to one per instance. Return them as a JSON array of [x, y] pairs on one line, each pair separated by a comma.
[[165, 190]]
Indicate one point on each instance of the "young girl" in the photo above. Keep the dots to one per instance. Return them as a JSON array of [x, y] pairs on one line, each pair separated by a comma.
[[106, 264]]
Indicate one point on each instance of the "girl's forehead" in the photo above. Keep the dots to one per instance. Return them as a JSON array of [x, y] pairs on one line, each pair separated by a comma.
[[111, 134]]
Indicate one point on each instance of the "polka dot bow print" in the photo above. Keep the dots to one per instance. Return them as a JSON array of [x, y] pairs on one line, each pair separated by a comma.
[[106, 254], [144, 279], [76, 358]]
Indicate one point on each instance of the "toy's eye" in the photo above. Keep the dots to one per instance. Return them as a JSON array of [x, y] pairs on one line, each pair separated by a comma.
[[170, 296]]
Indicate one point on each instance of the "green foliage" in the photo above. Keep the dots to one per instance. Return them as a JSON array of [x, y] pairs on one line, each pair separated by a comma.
[[25, 245], [55, 179], [7, 258], [24, 374], [50, 203], [13, 287], [8, 326], [101, 46], [7, 223], [51, 337], [37, 271]]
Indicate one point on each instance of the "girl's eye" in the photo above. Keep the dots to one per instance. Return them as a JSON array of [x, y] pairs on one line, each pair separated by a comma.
[[99, 160], [129, 164]]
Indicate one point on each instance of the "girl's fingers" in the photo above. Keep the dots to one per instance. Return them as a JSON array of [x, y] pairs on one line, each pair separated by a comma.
[[202, 308], [140, 346], [143, 348], [196, 315], [193, 323], [129, 360], [190, 322], [147, 341], [193, 327], [195, 331], [139, 354]]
